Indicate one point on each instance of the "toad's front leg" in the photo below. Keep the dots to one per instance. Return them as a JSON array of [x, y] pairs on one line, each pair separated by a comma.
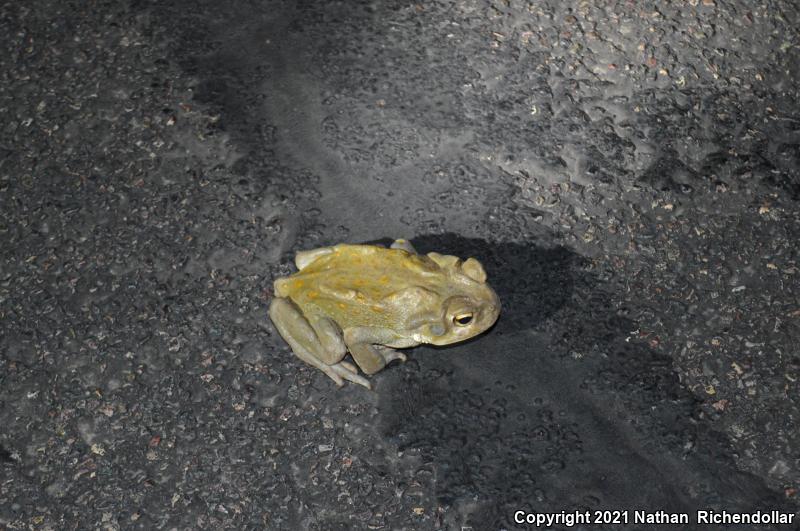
[[365, 345], [317, 341]]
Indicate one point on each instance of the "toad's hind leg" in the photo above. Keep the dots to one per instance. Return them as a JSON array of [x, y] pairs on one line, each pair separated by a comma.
[[316, 342]]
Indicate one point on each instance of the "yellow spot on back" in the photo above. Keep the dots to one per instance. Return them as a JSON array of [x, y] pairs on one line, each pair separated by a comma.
[[313, 294]]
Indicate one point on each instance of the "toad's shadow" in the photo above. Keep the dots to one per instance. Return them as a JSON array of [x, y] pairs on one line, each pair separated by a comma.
[[554, 403]]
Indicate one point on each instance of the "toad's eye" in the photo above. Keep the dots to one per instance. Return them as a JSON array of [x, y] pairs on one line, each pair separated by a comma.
[[462, 319]]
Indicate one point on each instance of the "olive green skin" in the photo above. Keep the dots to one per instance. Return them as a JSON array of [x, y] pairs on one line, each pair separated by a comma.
[[368, 300]]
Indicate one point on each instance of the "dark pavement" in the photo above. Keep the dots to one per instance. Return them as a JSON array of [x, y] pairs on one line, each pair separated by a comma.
[[627, 172]]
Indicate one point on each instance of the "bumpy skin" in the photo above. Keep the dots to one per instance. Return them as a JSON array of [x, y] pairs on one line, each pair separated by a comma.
[[370, 300]]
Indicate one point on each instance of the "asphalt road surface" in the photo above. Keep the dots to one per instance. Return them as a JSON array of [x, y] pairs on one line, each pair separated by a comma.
[[627, 172]]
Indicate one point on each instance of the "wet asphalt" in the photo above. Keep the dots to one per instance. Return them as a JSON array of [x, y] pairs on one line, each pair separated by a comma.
[[627, 172]]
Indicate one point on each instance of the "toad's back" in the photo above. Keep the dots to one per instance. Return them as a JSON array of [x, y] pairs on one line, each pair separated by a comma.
[[364, 284], [374, 272]]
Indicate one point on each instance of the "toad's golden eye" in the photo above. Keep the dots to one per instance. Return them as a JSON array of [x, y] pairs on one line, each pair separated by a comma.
[[462, 319]]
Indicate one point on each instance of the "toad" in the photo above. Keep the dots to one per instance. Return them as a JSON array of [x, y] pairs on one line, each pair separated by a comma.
[[369, 300]]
